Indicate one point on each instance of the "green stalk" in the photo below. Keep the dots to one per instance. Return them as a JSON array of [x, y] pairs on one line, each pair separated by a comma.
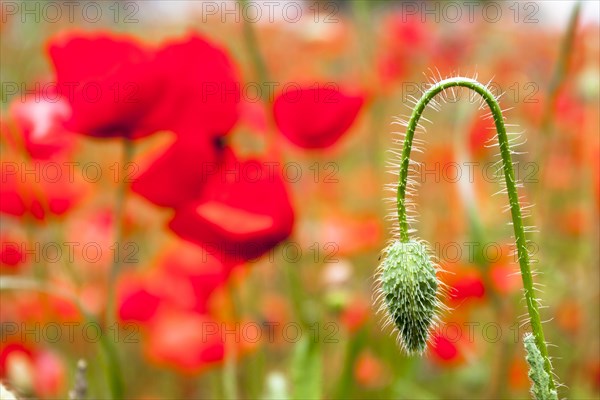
[[560, 71], [110, 352], [111, 311], [513, 196], [260, 66]]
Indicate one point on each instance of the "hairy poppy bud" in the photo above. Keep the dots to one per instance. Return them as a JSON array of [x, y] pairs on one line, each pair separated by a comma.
[[409, 287]]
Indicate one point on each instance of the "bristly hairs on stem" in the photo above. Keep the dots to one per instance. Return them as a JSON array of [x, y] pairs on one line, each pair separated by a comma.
[[406, 274]]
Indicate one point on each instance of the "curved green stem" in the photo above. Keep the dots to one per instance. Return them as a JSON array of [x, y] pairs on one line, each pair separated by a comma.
[[513, 196]]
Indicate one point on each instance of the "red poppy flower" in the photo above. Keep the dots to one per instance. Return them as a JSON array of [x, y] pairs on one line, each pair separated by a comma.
[[243, 211], [203, 94], [194, 270], [314, 118], [185, 279], [186, 341], [12, 254], [39, 126], [201, 105], [356, 314], [443, 350], [47, 189], [481, 135], [40, 368], [369, 370], [118, 87], [110, 81], [176, 177], [468, 286], [136, 302]]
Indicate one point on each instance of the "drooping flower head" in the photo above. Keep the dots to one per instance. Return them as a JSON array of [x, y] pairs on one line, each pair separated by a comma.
[[409, 291]]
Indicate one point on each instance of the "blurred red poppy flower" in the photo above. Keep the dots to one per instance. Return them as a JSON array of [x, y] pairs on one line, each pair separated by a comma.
[[12, 254], [201, 106], [468, 286], [443, 350], [31, 369], [177, 176], [37, 126], [355, 314], [118, 87], [26, 190], [369, 370], [136, 302], [243, 211], [110, 82], [315, 118], [177, 294], [405, 40], [186, 341], [481, 134], [185, 279], [203, 94], [505, 277]]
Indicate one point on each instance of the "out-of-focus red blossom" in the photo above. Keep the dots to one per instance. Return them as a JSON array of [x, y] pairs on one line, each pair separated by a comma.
[[243, 211], [203, 94], [444, 351], [404, 39], [316, 118], [569, 316], [127, 89], [177, 176], [505, 277], [596, 174], [369, 371], [95, 227], [12, 255], [110, 82], [482, 133], [37, 125], [355, 314], [181, 340], [569, 111], [174, 302], [39, 308], [203, 105], [50, 374], [466, 283], [46, 370], [593, 372], [186, 277], [559, 173], [46, 190], [517, 373], [254, 116], [351, 234], [136, 302]]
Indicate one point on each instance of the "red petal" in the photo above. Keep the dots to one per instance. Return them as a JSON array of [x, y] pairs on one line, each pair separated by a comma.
[[315, 117]]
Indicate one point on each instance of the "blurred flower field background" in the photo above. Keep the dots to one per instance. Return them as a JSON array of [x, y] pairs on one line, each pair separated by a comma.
[[192, 196]]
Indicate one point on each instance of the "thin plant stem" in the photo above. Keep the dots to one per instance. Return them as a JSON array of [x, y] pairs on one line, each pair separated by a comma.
[[561, 68], [111, 312], [229, 375], [511, 188], [556, 82]]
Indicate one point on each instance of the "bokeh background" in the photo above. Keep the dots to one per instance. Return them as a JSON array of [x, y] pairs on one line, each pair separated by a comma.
[[206, 221]]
